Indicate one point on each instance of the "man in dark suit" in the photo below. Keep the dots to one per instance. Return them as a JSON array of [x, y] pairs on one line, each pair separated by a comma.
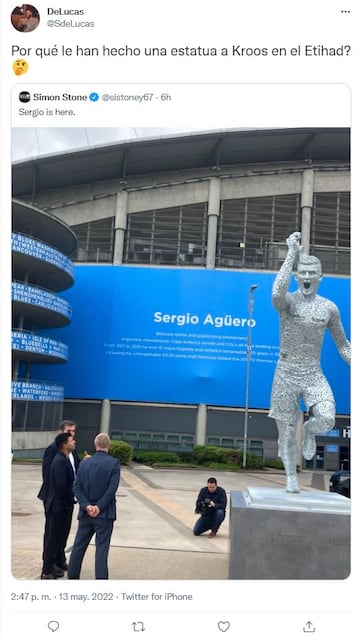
[[95, 489], [49, 454], [59, 505], [48, 457]]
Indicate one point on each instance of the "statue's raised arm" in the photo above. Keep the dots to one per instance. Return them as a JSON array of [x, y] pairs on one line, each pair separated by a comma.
[[282, 281]]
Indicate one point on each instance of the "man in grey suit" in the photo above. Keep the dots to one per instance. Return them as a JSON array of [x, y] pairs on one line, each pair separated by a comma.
[[95, 488]]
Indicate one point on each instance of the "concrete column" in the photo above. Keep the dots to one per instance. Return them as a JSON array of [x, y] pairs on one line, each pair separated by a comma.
[[307, 192], [213, 214], [105, 416], [121, 209], [200, 437]]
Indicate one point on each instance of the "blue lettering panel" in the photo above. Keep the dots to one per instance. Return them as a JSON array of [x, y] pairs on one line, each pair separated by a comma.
[[37, 249], [174, 335], [28, 391], [35, 296]]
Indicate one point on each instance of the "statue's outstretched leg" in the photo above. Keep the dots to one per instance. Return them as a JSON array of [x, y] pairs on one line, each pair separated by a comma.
[[288, 453], [321, 419]]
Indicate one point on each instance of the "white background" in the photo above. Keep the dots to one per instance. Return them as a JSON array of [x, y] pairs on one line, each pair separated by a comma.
[[279, 92]]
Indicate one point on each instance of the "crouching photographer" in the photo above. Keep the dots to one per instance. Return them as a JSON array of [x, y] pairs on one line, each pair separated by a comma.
[[211, 505]]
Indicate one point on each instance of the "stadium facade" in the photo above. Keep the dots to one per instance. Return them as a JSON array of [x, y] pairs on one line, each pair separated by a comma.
[[178, 240]]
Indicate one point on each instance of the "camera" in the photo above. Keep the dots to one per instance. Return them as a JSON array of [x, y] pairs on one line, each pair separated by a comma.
[[203, 506]]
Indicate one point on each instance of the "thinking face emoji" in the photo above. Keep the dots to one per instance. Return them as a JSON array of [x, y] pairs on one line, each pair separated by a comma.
[[20, 67]]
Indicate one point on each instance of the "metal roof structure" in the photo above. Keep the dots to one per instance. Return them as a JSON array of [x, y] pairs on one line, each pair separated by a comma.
[[216, 149]]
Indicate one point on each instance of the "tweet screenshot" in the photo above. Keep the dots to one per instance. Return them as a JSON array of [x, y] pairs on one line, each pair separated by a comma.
[[177, 214]]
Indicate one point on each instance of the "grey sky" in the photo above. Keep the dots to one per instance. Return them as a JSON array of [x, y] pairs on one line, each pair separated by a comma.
[[32, 142]]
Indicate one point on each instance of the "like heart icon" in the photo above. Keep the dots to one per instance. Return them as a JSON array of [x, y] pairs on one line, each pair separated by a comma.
[[224, 626]]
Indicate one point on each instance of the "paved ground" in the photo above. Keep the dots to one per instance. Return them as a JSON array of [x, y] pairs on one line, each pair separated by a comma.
[[152, 537]]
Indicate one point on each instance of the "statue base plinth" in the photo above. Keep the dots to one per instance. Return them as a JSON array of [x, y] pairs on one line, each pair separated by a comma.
[[277, 535]]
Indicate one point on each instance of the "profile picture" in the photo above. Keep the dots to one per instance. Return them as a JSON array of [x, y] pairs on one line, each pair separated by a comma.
[[25, 17], [24, 96]]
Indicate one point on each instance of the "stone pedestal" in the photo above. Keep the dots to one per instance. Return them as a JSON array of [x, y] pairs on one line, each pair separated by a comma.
[[276, 535]]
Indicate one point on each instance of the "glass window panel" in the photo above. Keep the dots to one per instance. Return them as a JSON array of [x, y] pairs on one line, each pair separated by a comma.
[[252, 232], [143, 445], [330, 231], [130, 436], [158, 445], [239, 443], [19, 415], [227, 442], [249, 228], [213, 440], [144, 437], [173, 446], [34, 415], [95, 241], [173, 236], [52, 416]]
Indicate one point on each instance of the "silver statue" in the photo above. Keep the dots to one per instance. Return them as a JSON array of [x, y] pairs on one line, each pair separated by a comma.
[[304, 317]]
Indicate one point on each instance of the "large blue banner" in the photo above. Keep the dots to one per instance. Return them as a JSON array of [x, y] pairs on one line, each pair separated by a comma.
[[180, 336]]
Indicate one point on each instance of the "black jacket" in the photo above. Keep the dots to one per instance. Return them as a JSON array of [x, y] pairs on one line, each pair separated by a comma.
[[219, 497], [60, 494], [48, 457]]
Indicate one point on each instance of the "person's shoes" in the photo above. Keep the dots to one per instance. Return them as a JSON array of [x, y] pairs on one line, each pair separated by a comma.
[[309, 444], [59, 573], [51, 576], [212, 534], [64, 567], [292, 485]]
